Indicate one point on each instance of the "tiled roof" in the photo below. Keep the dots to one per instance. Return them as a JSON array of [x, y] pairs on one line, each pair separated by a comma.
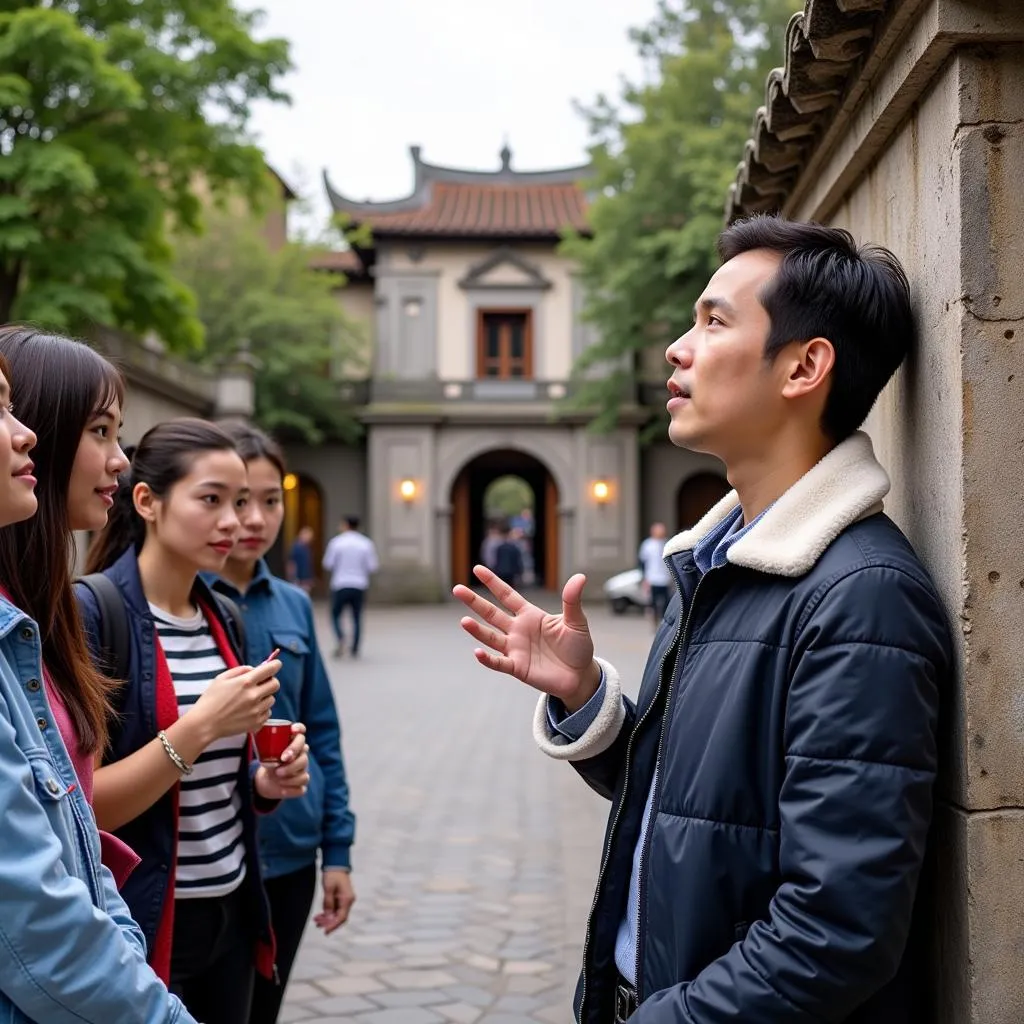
[[448, 202], [488, 210], [825, 44], [344, 260]]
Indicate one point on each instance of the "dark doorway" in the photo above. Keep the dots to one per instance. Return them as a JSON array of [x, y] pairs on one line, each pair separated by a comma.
[[303, 506], [469, 520], [696, 495]]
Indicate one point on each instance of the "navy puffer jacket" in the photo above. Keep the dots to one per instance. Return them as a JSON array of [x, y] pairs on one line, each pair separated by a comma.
[[790, 702]]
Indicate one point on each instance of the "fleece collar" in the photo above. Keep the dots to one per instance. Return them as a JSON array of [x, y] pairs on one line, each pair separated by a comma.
[[847, 485]]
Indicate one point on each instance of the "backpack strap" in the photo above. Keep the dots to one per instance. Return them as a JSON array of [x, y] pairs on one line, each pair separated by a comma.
[[114, 636], [236, 624]]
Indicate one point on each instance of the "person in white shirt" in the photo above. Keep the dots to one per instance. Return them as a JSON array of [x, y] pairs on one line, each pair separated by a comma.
[[656, 579], [351, 559]]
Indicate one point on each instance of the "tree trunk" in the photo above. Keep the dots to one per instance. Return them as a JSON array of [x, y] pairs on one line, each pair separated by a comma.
[[10, 278]]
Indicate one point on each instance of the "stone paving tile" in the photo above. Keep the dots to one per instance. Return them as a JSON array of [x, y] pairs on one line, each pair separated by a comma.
[[339, 1005], [460, 1013], [475, 857], [413, 997], [347, 985], [409, 1015], [301, 991], [417, 979]]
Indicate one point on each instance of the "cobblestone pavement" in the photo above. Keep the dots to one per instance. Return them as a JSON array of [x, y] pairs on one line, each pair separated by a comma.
[[475, 855]]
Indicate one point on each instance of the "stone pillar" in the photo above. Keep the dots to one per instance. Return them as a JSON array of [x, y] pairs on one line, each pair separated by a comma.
[[930, 164], [981, 888], [235, 386]]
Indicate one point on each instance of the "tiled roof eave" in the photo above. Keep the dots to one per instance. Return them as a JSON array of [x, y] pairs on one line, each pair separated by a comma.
[[826, 44]]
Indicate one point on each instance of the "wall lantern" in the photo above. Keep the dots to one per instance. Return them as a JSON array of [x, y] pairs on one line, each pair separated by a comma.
[[407, 489], [290, 482], [602, 491]]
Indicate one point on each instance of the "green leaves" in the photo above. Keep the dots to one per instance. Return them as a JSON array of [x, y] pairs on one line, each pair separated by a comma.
[[663, 161], [111, 112], [289, 315]]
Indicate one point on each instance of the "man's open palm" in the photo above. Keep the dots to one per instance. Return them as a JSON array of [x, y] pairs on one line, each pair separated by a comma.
[[552, 653]]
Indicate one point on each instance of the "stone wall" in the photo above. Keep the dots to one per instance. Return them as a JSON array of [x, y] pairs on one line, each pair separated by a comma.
[[925, 155]]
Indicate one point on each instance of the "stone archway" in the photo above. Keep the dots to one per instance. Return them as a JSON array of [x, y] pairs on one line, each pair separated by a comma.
[[696, 495], [468, 524]]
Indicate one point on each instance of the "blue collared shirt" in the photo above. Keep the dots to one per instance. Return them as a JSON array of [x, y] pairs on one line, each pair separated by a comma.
[[710, 552]]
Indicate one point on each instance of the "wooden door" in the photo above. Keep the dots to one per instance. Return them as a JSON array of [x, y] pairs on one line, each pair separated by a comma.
[[461, 555], [551, 580]]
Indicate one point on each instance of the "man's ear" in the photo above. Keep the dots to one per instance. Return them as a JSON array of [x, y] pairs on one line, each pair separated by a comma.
[[145, 502], [809, 367]]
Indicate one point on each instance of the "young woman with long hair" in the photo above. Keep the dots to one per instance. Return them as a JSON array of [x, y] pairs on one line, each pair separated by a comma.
[[71, 397], [72, 952], [279, 615], [180, 783]]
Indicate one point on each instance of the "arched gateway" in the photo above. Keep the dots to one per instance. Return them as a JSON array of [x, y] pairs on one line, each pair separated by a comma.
[[469, 517]]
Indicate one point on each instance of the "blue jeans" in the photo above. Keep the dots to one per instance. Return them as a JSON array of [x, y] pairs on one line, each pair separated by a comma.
[[347, 597]]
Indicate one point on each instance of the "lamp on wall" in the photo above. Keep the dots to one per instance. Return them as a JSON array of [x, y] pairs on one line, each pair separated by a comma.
[[602, 491], [407, 490], [290, 482]]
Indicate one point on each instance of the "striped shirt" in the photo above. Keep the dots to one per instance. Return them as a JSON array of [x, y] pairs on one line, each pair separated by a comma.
[[211, 849]]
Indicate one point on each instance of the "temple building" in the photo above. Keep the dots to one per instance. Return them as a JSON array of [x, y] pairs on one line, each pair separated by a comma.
[[473, 320]]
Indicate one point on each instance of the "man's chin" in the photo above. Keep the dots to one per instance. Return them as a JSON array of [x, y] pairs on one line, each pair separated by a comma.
[[688, 439]]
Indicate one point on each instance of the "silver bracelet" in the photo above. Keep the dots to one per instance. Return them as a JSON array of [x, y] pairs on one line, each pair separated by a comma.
[[179, 761]]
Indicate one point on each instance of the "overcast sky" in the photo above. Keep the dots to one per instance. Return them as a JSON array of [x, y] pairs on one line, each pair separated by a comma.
[[457, 77]]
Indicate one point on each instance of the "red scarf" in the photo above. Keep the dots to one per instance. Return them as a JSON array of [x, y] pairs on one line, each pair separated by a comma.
[[167, 715]]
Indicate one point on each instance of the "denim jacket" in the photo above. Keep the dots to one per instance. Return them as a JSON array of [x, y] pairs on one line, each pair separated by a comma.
[[278, 614], [69, 949]]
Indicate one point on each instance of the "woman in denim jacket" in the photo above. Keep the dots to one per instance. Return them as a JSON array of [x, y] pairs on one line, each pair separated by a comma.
[[279, 615], [65, 933], [71, 398]]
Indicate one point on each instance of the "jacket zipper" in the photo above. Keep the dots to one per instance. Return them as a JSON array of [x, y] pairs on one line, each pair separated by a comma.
[[683, 640], [622, 799]]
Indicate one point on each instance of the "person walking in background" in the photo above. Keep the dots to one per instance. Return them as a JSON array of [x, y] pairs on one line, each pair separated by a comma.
[[280, 616], [490, 545], [655, 570], [180, 782], [524, 527], [351, 559], [508, 558], [72, 954], [300, 560]]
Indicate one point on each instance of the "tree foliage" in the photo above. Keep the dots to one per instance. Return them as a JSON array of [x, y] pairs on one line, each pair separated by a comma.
[[110, 110], [664, 157], [288, 314]]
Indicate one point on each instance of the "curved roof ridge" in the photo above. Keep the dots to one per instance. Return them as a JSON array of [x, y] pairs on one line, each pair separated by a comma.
[[825, 44], [425, 174]]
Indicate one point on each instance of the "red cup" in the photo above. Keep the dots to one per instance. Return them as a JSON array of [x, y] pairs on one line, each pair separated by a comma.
[[273, 739]]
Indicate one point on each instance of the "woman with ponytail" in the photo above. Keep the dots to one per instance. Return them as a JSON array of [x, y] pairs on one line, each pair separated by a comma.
[[72, 952], [280, 616], [179, 782], [70, 397]]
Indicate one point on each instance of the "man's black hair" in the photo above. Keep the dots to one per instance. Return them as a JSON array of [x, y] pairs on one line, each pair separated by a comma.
[[352, 522], [826, 286]]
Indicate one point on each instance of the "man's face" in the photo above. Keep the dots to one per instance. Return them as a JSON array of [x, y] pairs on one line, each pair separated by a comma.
[[726, 399]]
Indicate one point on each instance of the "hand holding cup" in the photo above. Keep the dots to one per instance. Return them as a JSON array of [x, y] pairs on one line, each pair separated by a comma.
[[289, 777]]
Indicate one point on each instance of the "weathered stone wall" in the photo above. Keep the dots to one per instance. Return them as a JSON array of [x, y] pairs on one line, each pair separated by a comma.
[[930, 163]]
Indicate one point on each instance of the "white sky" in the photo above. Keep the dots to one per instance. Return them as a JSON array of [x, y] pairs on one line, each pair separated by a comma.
[[373, 77]]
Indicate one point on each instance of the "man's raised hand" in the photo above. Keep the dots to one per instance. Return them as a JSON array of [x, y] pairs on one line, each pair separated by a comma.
[[552, 653]]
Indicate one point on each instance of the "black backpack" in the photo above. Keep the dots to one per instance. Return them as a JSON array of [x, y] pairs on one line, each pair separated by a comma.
[[114, 635]]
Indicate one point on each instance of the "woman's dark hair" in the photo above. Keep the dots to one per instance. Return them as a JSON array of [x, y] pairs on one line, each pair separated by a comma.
[[252, 443], [828, 287], [163, 457], [57, 386]]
